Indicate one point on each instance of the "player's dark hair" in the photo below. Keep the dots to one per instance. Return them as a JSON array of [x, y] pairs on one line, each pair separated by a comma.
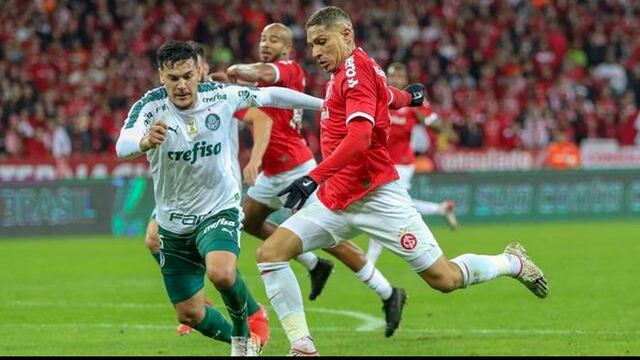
[[172, 52], [328, 17], [198, 48]]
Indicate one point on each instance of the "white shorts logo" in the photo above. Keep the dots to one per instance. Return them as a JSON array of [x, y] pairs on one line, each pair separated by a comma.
[[408, 241]]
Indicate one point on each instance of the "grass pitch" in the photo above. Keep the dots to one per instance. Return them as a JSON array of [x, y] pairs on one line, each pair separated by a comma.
[[104, 296]]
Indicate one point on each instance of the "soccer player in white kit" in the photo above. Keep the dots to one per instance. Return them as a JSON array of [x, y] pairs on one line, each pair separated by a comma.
[[258, 318], [183, 128], [358, 190]]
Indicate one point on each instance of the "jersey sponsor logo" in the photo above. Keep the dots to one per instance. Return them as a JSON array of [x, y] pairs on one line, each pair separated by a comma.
[[350, 71], [187, 219], [246, 94], [215, 98], [212, 122], [221, 222], [408, 241], [379, 71], [200, 150]]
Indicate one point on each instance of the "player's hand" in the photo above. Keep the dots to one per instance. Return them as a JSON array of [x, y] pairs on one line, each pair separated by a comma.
[[251, 171], [232, 74], [299, 191], [156, 136], [417, 93], [434, 122]]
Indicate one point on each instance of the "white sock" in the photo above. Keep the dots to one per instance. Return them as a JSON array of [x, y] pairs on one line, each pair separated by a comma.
[[428, 208], [480, 268], [284, 294], [308, 260], [374, 251], [375, 280]]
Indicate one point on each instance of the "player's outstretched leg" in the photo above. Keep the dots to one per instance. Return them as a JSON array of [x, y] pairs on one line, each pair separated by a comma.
[[530, 274]]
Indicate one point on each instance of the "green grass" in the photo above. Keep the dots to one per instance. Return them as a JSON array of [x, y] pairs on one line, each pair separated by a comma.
[[104, 296]]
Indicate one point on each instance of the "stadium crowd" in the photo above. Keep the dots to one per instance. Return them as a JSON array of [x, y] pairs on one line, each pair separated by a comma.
[[501, 74]]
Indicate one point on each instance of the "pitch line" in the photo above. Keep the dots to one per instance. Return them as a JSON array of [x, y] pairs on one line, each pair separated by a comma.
[[371, 323]]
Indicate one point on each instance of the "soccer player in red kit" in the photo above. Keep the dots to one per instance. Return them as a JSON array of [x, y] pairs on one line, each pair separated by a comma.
[[359, 192], [287, 158], [403, 122]]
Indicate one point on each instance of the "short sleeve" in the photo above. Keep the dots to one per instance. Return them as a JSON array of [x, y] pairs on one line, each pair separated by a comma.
[[359, 89]]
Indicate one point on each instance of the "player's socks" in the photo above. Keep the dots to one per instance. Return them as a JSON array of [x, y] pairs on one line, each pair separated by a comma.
[[375, 280], [428, 208], [235, 299], [252, 305], [214, 325], [374, 251], [284, 294], [480, 268], [308, 260]]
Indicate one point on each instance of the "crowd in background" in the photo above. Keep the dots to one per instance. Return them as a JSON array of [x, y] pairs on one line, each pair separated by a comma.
[[510, 74]]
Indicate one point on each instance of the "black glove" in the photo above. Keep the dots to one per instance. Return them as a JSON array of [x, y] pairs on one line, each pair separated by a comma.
[[299, 191], [417, 93]]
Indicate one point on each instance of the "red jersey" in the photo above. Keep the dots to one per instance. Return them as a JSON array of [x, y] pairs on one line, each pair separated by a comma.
[[402, 122], [358, 88], [287, 148]]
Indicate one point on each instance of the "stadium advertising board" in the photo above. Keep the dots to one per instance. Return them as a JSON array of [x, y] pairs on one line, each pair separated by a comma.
[[61, 207], [535, 195]]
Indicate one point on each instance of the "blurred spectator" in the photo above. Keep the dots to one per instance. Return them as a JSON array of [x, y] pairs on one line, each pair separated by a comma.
[[562, 153], [502, 74]]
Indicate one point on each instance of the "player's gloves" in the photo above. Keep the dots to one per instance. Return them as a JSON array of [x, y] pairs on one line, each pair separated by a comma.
[[417, 93], [299, 191]]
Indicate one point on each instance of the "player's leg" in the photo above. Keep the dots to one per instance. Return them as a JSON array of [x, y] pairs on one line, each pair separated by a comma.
[[374, 251], [313, 227], [262, 200], [183, 276], [445, 208], [218, 242], [393, 298], [151, 238], [417, 245]]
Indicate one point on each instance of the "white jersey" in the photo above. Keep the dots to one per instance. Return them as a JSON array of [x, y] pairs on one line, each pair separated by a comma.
[[195, 170]]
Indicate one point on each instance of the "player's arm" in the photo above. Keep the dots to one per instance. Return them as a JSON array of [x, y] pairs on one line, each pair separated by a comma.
[[262, 124], [356, 142], [138, 135], [262, 72], [274, 96], [412, 95]]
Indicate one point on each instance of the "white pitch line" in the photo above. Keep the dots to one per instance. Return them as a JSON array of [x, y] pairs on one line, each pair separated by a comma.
[[371, 323], [434, 331]]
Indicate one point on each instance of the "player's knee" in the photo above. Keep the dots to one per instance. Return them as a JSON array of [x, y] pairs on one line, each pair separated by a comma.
[[222, 277], [189, 316], [445, 280]]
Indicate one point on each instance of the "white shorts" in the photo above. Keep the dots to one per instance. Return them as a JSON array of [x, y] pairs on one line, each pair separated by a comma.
[[266, 188], [406, 173], [386, 214]]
